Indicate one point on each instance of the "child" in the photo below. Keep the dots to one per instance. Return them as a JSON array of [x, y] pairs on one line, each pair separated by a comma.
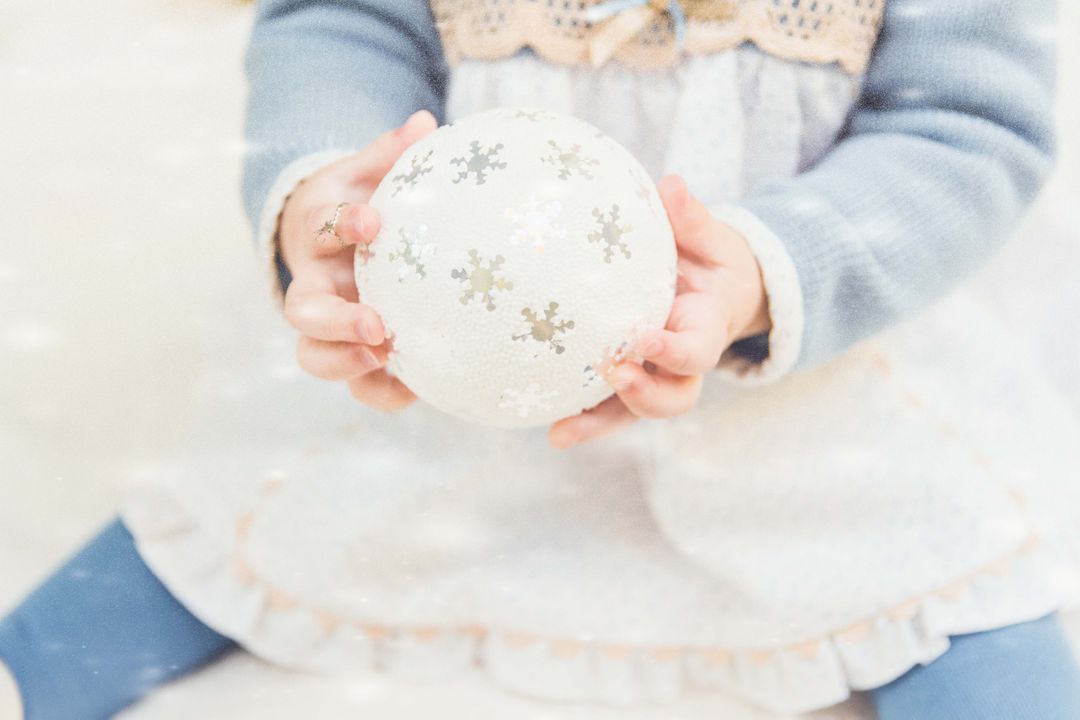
[[823, 495]]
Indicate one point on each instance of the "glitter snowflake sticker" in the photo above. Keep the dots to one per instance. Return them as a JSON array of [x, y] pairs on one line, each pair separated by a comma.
[[536, 224], [610, 233], [623, 352], [545, 329], [478, 163], [570, 162], [644, 189], [524, 402], [482, 280], [414, 248], [420, 167], [596, 373], [531, 115]]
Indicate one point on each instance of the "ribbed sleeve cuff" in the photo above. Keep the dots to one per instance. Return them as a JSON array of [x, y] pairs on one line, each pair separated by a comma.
[[270, 216], [785, 303]]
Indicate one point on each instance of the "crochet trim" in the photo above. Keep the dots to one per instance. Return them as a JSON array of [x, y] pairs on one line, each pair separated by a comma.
[[215, 582], [814, 31]]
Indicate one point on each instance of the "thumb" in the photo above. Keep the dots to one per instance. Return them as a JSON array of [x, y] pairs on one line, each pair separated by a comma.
[[375, 160], [692, 223]]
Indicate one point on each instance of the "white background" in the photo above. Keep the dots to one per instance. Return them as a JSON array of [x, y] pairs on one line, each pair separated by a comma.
[[120, 224]]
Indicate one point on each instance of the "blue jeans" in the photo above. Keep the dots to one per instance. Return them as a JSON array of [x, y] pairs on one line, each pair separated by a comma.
[[103, 631]]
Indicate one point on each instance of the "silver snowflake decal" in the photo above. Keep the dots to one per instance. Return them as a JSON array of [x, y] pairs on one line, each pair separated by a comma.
[[643, 189], [364, 253], [610, 233], [413, 248], [524, 402], [592, 376], [420, 167], [481, 281], [545, 329], [536, 224], [532, 115], [595, 373], [569, 162], [478, 163]]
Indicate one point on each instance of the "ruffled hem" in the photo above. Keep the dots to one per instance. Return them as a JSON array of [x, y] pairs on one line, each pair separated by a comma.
[[205, 570]]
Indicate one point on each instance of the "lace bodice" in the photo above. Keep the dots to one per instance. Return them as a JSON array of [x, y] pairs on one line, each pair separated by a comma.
[[818, 31]]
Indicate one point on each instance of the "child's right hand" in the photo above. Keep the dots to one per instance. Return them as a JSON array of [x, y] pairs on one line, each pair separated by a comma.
[[340, 338]]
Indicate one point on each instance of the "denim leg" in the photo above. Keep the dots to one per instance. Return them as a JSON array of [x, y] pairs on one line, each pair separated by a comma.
[[1020, 672], [99, 633]]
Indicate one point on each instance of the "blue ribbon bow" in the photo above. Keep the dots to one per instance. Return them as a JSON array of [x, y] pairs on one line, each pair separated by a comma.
[[604, 10]]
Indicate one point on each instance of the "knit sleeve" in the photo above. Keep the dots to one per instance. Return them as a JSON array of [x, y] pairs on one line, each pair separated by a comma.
[[948, 142], [325, 77]]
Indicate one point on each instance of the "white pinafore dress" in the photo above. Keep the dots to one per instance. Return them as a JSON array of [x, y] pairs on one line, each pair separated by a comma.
[[784, 542]]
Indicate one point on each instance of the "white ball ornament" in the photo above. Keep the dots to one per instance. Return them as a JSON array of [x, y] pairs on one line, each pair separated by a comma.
[[521, 253]]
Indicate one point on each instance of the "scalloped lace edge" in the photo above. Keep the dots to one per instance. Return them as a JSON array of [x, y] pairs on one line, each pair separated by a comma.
[[847, 43]]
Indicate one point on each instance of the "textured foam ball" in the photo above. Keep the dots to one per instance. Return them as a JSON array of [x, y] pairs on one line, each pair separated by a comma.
[[520, 253]]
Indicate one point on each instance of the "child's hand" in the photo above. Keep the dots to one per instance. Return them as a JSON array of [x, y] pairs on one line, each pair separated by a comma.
[[720, 298], [341, 339]]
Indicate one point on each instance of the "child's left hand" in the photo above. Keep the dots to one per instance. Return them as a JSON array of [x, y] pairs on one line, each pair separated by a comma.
[[720, 298]]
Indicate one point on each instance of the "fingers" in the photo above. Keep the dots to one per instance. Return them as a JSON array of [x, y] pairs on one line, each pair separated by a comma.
[[604, 419], [695, 336], [313, 307], [691, 221], [338, 360], [335, 227], [374, 161], [691, 352], [655, 395], [381, 391]]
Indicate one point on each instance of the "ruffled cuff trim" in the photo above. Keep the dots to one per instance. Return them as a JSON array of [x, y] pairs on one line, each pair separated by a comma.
[[283, 186], [785, 303]]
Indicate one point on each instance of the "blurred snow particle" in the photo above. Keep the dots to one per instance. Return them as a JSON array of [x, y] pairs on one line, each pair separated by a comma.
[[176, 155], [911, 94], [235, 148], [1041, 32], [285, 371], [30, 337], [9, 273], [909, 10]]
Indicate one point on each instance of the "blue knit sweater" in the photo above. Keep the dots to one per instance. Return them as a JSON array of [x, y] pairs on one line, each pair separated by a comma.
[[949, 141]]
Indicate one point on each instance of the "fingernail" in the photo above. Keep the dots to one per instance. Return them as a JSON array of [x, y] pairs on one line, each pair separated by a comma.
[[653, 347], [622, 380], [368, 331], [408, 121], [368, 358]]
